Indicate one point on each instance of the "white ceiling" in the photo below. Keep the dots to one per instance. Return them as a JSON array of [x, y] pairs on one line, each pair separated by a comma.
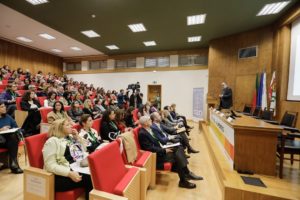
[[14, 24]]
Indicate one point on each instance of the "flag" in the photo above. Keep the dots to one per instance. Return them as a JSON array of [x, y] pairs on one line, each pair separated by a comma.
[[272, 93], [260, 91], [264, 102], [254, 99]]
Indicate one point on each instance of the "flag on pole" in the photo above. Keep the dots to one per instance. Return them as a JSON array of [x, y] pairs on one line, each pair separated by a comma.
[[264, 102], [254, 99], [272, 93], [260, 91]]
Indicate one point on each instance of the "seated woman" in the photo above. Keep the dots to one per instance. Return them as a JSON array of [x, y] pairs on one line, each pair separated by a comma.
[[64, 147], [129, 118], [88, 108], [77, 97], [98, 106], [120, 121], [32, 122], [90, 135], [9, 141], [58, 112], [109, 128], [66, 98], [51, 99], [75, 112], [144, 110]]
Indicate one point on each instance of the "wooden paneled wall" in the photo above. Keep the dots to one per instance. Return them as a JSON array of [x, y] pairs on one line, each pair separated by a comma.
[[240, 74], [16, 56], [281, 62]]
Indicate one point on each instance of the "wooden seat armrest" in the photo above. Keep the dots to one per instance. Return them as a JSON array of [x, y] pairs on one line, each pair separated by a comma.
[[100, 195], [38, 184]]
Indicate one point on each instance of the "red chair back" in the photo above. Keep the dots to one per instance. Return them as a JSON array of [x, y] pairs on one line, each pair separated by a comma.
[[41, 100], [123, 153], [135, 115], [136, 137], [77, 127], [34, 145], [107, 167], [3, 87], [44, 112], [21, 92], [67, 108], [97, 124], [4, 81], [20, 87], [18, 103]]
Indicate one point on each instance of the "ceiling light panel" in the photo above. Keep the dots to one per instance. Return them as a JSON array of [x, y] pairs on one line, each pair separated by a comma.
[[196, 19], [149, 43], [137, 27], [47, 36], [112, 47], [194, 39], [24, 39], [37, 2], [90, 34], [75, 48], [272, 8]]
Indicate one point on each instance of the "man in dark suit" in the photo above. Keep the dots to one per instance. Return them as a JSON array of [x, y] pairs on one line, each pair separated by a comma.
[[149, 142], [168, 134], [225, 97]]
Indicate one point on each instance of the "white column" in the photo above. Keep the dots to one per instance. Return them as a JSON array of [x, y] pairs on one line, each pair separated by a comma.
[[84, 65], [140, 62], [110, 64]]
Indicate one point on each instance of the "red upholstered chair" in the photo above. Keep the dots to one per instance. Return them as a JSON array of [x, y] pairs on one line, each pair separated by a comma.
[[135, 115], [97, 124], [40, 178], [20, 87], [67, 108], [77, 126], [167, 165], [3, 86], [111, 179], [4, 81], [21, 92], [44, 112], [41, 100]]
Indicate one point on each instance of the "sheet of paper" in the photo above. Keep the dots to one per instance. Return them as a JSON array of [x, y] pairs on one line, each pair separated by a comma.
[[171, 145], [36, 185], [12, 130], [76, 168]]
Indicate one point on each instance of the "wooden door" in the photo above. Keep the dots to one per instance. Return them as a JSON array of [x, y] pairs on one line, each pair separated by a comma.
[[154, 95]]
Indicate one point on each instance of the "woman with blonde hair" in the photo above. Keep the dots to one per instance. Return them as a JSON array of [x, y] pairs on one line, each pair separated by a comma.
[[63, 148], [88, 108]]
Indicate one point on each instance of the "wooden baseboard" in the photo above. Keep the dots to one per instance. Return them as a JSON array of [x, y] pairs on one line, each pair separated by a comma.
[[234, 188]]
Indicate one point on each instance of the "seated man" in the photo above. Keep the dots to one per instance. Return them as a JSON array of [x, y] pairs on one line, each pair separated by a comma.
[[9, 140], [149, 142], [167, 134]]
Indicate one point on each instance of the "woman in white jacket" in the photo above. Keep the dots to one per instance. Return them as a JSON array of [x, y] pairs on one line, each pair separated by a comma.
[[64, 147]]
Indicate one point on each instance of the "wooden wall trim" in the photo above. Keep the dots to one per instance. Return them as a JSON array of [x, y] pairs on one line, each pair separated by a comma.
[[148, 69], [290, 16], [202, 51]]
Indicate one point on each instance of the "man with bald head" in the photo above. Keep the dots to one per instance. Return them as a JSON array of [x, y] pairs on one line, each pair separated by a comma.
[[149, 142], [225, 97]]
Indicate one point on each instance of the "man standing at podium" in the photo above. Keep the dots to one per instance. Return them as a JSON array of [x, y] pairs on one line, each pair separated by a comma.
[[225, 97]]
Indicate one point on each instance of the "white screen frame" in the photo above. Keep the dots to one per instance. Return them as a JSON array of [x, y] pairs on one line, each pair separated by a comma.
[[294, 92]]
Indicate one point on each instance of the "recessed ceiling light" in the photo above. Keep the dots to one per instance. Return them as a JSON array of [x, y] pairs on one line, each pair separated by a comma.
[[150, 43], [24, 39], [137, 27], [196, 19], [194, 39], [112, 47], [272, 8], [75, 48], [37, 2], [90, 33], [93, 15], [56, 50], [47, 36]]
